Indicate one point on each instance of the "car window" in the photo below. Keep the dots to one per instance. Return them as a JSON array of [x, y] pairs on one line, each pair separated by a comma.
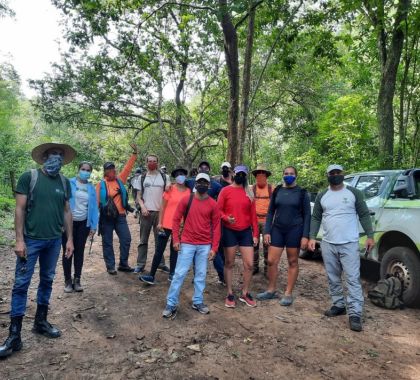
[[370, 185], [348, 180]]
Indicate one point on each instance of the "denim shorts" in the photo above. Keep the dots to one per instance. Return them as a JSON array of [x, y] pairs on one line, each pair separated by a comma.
[[232, 238], [287, 236]]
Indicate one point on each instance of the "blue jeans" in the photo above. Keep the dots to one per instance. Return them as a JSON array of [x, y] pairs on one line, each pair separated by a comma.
[[48, 252], [339, 258], [189, 253], [121, 228]]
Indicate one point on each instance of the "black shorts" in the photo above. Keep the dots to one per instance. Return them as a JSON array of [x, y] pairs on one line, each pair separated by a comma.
[[232, 238], [289, 236]]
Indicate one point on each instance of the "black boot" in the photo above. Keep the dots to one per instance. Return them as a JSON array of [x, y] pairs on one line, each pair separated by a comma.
[[13, 342], [42, 326]]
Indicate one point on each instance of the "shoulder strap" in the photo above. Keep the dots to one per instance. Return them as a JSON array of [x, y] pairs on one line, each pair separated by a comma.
[[270, 190], [187, 210], [276, 190], [164, 179], [34, 179], [142, 178], [64, 183], [254, 190]]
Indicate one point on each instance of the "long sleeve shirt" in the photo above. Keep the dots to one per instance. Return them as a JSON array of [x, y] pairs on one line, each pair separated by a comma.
[[202, 225], [289, 207], [234, 201]]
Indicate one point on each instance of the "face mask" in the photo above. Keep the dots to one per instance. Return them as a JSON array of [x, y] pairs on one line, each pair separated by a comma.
[[225, 172], [53, 164], [152, 166], [289, 179], [335, 180], [239, 179], [84, 175], [201, 189], [261, 180], [110, 174], [180, 179]]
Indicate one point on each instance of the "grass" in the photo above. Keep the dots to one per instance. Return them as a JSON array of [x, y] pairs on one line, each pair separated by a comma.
[[7, 205]]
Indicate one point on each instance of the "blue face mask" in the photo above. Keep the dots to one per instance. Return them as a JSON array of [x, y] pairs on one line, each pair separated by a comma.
[[53, 164], [289, 179], [180, 179], [84, 175]]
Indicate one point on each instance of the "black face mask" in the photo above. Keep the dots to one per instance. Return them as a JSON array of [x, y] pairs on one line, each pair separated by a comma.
[[335, 180], [201, 189], [239, 179], [225, 173]]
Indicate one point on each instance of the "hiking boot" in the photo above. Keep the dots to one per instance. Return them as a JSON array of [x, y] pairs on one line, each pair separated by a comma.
[[221, 281], [201, 308], [13, 342], [76, 285], [164, 269], [230, 301], [42, 326], [335, 311], [138, 269], [286, 300], [355, 323], [147, 279], [125, 268], [112, 272], [169, 312], [248, 300], [266, 296], [68, 286]]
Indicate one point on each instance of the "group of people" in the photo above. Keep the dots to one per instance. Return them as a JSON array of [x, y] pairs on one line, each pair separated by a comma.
[[206, 218]]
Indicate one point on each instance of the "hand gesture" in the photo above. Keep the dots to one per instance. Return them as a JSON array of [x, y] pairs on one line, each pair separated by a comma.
[[304, 243], [135, 148], [370, 243], [177, 246], [69, 248], [267, 239], [231, 219], [20, 249], [212, 255], [312, 245], [255, 241]]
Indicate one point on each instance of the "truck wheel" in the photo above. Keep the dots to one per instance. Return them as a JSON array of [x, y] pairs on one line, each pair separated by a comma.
[[403, 263]]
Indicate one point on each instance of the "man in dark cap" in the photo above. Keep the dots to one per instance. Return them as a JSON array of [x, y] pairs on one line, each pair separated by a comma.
[[215, 187], [42, 211]]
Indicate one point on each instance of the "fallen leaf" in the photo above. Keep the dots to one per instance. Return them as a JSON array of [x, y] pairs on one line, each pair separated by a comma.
[[111, 336], [194, 347]]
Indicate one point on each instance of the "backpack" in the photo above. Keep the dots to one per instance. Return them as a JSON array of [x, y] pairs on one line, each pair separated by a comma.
[[34, 179], [387, 293], [143, 178], [107, 204]]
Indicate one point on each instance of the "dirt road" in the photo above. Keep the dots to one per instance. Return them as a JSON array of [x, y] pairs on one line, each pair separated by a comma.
[[114, 330]]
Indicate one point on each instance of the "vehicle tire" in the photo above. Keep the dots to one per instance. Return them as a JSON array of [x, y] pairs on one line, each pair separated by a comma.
[[403, 263], [306, 255]]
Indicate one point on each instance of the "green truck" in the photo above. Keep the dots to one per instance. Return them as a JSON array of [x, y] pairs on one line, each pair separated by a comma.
[[393, 198]]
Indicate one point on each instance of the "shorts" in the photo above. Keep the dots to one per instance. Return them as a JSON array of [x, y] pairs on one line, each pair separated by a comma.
[[232, 238], [288, 236]]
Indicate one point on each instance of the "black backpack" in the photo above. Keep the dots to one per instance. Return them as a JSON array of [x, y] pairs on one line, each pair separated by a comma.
[[143, 178], [387, 293]]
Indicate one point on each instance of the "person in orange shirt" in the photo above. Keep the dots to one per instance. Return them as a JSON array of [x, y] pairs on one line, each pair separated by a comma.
[[262, 192], [113, 206], [171, 199]]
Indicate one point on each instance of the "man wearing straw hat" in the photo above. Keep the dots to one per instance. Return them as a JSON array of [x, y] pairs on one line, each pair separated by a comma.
[[42, 211]]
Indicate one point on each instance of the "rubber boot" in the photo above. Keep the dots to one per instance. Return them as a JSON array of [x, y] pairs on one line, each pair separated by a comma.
[[13, 342], [77, 286], [42, 326]]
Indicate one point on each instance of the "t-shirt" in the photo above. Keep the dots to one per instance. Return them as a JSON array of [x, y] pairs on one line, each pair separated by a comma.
[[202, 225], [153, 190], [234, 201], [173, 196], [46, 218], [80, 210], [339, 217]]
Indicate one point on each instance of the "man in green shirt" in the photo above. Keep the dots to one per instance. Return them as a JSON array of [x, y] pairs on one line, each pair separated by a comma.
[[42, 212]]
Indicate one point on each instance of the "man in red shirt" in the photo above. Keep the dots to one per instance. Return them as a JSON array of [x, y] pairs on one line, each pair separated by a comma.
[[194, 243]]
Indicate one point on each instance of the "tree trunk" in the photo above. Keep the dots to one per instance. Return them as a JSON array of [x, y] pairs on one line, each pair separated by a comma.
[[246, 84], [389, 59], [232, 65]]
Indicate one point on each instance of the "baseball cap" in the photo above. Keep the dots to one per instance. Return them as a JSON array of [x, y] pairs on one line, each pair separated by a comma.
[[241, 168], [334, 167], [225, 164], [202, 176], [109, 165]]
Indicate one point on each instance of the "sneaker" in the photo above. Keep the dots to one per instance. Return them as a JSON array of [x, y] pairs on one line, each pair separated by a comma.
[[201, 308], [221, 281], [355, 323], [125, 268], [335, 311], [169, 312], [230, 301], [247, 299], [147, 279], [77, 285], [164, 269], [286, 300], [112, 271], [266, 296], [138, 269], [68, 287], [170, 277]]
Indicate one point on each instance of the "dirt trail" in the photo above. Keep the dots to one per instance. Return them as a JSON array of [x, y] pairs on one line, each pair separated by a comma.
[[114, 330]]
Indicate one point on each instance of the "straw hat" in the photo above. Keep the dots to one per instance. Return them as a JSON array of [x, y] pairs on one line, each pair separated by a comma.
[[261, 168], [38, 153]]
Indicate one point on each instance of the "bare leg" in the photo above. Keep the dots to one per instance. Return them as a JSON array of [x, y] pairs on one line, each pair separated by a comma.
[[247, 254], [293, 271], [274, 255], [229, 264]]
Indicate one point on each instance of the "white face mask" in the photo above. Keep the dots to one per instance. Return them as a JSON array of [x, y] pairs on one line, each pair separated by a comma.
[[180, 179]]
